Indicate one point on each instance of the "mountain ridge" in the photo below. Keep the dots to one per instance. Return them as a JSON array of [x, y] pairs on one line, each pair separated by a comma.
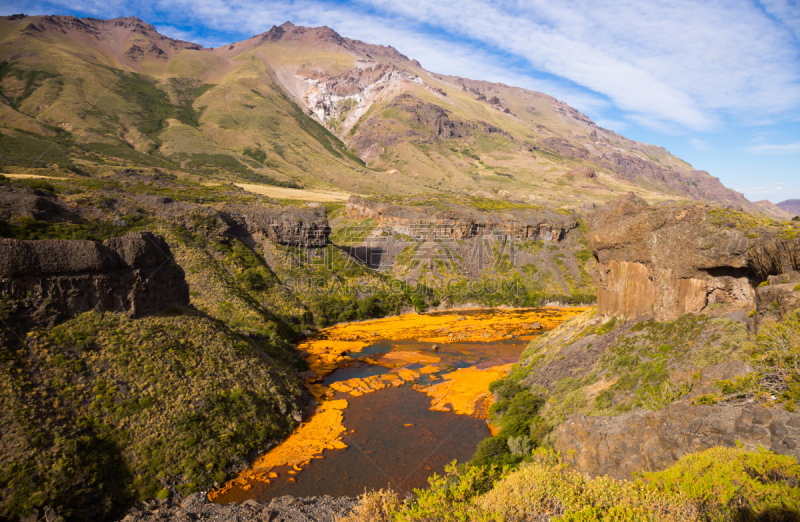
[[242, 111], [791, 206]]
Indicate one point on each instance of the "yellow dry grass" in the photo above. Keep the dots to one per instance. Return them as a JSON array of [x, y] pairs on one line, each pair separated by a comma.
[[30, 176], [298, 194]]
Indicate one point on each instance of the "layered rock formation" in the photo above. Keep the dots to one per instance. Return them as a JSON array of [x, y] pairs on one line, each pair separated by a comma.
[[291, 226], [424, 223], [51, 280], [667, 261]]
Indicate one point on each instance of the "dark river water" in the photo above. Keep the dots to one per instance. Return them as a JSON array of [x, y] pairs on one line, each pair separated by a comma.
[[393, 438]]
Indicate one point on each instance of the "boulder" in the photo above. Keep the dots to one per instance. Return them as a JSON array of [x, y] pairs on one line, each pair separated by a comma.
[[585, 172]]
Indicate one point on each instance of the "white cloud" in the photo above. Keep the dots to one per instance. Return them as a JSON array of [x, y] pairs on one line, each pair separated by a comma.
[[772, 149], [787, 13], [699, 144], [675, 61], [671, 65]]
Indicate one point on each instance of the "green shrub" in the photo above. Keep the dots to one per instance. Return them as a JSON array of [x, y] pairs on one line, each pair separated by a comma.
[[775, 358], [716, 485], [450, 497], [735, 484], [606, 327], [539, 490], [604, 400], [797, 288]]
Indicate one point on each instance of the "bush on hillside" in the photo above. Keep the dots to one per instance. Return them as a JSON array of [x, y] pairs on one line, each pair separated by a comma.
[[733, 484], [775, 359], [719, 484]]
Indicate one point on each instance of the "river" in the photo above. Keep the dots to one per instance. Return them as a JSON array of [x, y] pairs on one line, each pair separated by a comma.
[[398, 399]]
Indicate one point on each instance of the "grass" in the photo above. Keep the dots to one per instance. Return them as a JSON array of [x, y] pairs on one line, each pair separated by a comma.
[[186, 394], [634, 370], [29, 228]]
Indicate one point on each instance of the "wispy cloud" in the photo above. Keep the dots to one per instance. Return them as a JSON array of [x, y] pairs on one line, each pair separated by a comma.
[[672, 66], [773, 149], [648, 58], [699, 144]]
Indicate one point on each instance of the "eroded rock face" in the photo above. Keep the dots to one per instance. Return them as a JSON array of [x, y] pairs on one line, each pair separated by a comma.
[[780, 298], [33, 203], [653, 441], [668, 261], [423, 223], [291, 226], [48, 281]]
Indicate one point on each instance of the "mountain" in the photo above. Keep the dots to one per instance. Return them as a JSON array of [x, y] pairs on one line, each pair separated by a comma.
[[298, 106], [792, 206], [774, 211]]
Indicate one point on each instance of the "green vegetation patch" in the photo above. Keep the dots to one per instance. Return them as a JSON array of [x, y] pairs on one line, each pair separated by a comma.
[[29, 228], [32, 77], [774, 355], [105, 410]]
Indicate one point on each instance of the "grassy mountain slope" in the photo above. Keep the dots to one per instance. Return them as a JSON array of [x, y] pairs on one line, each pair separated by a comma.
[[306, 106]]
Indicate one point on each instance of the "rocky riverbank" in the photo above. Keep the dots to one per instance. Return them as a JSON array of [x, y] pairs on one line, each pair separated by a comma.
[[284, 509]]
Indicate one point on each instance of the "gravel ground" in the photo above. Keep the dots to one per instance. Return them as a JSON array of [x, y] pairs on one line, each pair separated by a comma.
[[284, 509]]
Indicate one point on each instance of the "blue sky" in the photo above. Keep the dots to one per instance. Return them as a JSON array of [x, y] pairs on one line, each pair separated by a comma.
[[716, 83]]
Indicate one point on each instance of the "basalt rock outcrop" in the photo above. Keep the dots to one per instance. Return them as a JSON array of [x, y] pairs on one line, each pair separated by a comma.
[[670, 260], [33, 203], [45, 282], [777, 299], [654, 440], [426, 223], [291, 226]]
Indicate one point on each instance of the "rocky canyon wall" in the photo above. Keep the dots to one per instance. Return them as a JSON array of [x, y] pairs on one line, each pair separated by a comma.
[[45, 282], [671, 260], [424, 223]]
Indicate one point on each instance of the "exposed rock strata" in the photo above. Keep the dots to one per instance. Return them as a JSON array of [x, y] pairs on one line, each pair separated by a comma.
[[667, 261], [423, 223], [290, 226], [653, 441], [51, 280], [283, 225]]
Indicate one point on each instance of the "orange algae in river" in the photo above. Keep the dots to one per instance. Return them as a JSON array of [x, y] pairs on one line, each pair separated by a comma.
[[323, 431], [358, 386], [406, 358], [327, 351], [464, 388]]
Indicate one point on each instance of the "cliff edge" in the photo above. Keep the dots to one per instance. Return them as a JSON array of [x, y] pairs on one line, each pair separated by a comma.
[[48, 281]]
